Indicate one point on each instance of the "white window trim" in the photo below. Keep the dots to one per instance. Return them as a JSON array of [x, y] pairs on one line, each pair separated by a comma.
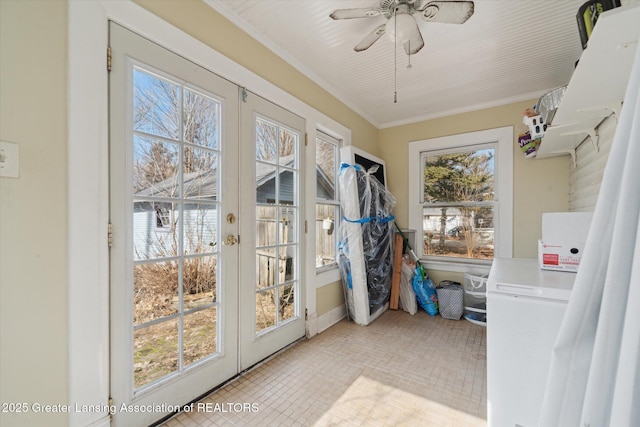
[[327, 274], [503, 138]]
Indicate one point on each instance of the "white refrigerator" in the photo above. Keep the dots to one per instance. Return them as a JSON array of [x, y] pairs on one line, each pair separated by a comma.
[[525, 307]]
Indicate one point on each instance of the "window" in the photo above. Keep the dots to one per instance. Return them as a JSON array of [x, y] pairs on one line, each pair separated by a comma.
[[327, 200], [163, 218], [461, 188], [458, 202]]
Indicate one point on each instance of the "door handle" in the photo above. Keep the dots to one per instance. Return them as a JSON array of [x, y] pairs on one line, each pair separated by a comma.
[[231, 240]]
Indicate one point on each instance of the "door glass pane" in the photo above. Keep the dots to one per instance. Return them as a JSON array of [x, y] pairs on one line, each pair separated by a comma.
[[199, 335], [200, 168], [265, 309], [287, 264], [155, 229], [287, 144], [199, 281], [200, 221], [287, 225], [265, 183], [155, 291], [155, 352], [287, 187], [265, 226], [156, 105], [201, 119], [266, 141], [266, 267], [286, 302], [155, 167]]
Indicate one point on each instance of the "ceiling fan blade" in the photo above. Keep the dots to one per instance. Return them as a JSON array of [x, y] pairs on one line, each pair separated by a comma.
[[362, 12], [447, 12], [414, 43], [370, 39]]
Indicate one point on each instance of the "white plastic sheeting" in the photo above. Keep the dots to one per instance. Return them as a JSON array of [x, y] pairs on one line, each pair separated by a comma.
[[594, 379], [365, 242], [408, 299]]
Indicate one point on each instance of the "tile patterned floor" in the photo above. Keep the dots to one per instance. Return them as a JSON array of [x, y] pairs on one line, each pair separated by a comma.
[[401, 370]]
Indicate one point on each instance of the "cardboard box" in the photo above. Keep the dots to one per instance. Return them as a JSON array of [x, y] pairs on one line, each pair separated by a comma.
[[559, 257], [564, 235]]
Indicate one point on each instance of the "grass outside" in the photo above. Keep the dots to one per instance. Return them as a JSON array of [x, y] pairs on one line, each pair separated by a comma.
[[156, 347], [457, 247]]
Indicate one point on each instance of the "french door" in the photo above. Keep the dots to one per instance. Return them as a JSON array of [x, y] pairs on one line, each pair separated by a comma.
[[205, 211], [272, 186]]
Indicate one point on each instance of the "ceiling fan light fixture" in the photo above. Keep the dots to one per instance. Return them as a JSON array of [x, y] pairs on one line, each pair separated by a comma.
[[430, 11], [400, 27]]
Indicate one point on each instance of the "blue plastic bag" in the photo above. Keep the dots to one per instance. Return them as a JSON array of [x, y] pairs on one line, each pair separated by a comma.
[[425, 292]]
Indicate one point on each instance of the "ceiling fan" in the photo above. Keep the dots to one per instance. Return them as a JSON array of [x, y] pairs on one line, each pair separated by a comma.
[[401, 24]]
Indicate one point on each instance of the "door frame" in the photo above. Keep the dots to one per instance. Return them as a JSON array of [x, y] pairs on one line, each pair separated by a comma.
[[87, 118]]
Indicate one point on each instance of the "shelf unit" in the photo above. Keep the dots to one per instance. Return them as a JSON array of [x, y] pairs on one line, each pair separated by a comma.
[[598, 84], [475, 298]]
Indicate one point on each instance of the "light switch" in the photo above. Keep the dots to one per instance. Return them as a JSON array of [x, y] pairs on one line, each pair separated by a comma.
[[9, 159]]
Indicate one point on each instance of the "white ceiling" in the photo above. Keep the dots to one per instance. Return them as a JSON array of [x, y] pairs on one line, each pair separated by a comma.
[[509, 50]]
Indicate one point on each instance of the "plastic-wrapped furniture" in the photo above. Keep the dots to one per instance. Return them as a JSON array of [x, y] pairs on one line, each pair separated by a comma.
[[365, 244]]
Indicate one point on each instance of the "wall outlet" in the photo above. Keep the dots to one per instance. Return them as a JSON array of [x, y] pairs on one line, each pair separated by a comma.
[[9, 159]]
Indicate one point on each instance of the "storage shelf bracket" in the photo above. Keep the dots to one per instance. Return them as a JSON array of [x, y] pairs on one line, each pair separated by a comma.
[[573, 158], [588, 131], [613, 108], [570, 152]]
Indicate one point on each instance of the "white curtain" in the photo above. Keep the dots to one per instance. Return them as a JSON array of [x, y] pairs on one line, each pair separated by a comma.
[[594, 378]]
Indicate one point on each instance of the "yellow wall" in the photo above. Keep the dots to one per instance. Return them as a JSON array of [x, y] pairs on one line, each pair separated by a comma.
[[538, 185], [33, 210], [329, 297]]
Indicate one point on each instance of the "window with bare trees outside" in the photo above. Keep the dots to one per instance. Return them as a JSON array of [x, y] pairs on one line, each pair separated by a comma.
[[461, 198], [327, 200], [458, 212]]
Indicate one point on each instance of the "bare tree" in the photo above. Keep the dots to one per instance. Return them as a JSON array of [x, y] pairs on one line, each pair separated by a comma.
[[176, 128], [273, 140], [459, 177], [165, 109]]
